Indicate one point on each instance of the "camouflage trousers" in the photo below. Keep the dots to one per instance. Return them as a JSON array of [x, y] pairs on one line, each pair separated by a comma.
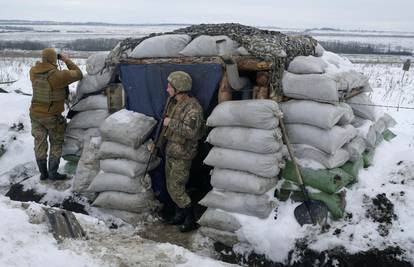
[[177, 172], [53, 127]]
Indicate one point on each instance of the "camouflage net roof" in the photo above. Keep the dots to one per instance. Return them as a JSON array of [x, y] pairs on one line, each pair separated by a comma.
[[264, 44]]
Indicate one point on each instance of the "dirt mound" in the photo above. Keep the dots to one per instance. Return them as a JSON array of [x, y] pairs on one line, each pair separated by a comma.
[[382, 211]]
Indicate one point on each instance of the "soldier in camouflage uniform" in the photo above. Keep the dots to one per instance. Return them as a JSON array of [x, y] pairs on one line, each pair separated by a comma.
[[49, 93], [184, 126]]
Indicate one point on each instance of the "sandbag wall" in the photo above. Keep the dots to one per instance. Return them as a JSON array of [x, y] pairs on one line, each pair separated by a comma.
[[247, 156]]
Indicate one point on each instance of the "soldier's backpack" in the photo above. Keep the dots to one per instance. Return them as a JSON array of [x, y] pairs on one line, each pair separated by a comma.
[[43, 92]]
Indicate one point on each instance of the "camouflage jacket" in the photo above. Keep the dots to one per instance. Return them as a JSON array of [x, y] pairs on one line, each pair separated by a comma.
[[186, 127]]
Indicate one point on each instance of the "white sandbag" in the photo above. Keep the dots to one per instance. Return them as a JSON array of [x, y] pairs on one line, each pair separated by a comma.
[[340, 63], [388, 120], [355, 148], [93, 83], [88, 119], [307, 65], [90, 103], [246, 139], [351, 79], [267, 165], [319, 50], [96, 62], [127, 167], [206, 45], [317, 114], [71, 146], [316, 87], [238, 181], [379, 126], [111, 150], [252, 205], [128, 217], [117, 182], [328, 141], [139, 203], [220, 220], [260, 114], [168, 45], [82, 135], [88, 166], [227, 238], [367, 131], [127, 127], [348, 116], [362, 106], [329, 161]]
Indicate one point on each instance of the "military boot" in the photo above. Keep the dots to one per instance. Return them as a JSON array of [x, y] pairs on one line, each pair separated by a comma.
[[178, 217], [189, 222], [42, 165], [53, 170]]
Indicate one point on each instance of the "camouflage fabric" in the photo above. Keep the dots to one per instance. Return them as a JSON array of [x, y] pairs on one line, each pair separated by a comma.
[[185, 128], [44, 127], [180, 80], [177, 172]]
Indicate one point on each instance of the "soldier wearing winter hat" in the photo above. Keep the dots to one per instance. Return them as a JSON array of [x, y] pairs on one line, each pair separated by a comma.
[[49, 93]]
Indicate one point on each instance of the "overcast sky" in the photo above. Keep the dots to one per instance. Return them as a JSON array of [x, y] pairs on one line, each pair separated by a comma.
[[346, 14]]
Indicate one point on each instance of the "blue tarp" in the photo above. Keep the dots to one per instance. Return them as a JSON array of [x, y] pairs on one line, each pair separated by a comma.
[[145, 88]]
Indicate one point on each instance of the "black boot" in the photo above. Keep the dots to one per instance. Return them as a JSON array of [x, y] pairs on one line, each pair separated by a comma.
[[189, 222], [178, 217], [53, 168], [42, 165], [167, 212]]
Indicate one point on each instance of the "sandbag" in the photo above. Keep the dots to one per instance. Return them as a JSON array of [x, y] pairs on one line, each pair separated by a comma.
[[206, 45], [71, 146], [116, 182], [127, 167], [353, 168], [328, 181], [128, 217], [379, 126], [367, 132], [362, 106], [227, 238], [388, 120], [307, 65], [348, 116], [88, 119], [127, 127], [243, 182], [96, 62], [368, 157], [388, 135], [267, 165], [111, 150], [219, 220], [88, 166], [246, 139], [82, 135], [90, 103], [259, 113], [321, 115], [252, 205], [93, 83], [355, 148], [329, 161], [168, 45], [142, 202], [328, 141], [319, 50]]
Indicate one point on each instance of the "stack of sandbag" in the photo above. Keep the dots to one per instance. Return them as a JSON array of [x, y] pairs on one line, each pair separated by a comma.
[[247, 156], [123, 156]]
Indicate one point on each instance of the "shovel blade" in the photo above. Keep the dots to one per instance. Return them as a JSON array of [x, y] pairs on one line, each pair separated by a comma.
[[311, 212]]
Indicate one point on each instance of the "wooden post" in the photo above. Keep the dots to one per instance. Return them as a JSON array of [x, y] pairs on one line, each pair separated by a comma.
[[224, 93]]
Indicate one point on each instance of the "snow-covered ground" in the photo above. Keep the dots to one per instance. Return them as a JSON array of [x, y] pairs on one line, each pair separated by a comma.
[[392, 174]]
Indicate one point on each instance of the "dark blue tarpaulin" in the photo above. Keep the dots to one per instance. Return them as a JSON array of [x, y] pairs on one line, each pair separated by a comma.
[[145, 88]]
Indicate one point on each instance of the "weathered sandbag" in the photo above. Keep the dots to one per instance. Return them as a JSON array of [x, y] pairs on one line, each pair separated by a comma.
[[329, 161], [88, 166], [321, 115], [82, 134], [259, 113], [246, 139], [388, 135], [141, 202], [368, 157], [168, 45], [206, 45], [219, 220], [353, 168], [355, 148], [252, 205], [88, 119], [71, 146], [367, 131], [127, 167], [348, 116], [316, 87], [351, 79], [388, 120], [127, 127], [111, 150], [319, 50], [339, 62], [307, 65], [128, 217], [93, 83], [328, 141], [117, 182], [90, 103], [379, 126], [243, 182], [227, 238], [267, 165], [96, 62], [329, 181], [362, 106]]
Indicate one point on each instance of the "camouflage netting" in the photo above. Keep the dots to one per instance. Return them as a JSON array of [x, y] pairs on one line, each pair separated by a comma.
[[264, 44]]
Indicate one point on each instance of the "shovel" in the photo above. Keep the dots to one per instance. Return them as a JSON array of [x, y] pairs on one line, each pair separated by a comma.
[[310, 211]]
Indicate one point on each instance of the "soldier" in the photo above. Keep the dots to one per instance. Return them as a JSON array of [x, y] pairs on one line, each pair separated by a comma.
[[49, 93], [184, 124]]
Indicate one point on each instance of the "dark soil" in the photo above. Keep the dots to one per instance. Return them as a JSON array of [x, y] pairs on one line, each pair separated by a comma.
[[382, 211]]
